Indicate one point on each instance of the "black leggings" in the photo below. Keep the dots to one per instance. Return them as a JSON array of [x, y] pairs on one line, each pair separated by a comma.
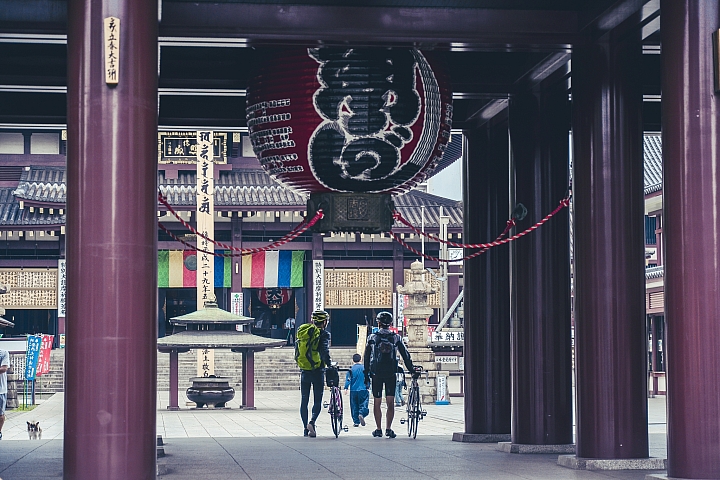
[[314, 378]]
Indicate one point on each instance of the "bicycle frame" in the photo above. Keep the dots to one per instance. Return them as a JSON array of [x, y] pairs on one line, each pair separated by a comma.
[[335, 409]]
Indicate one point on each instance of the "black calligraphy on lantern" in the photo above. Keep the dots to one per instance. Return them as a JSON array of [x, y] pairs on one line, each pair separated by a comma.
[[369, 102]]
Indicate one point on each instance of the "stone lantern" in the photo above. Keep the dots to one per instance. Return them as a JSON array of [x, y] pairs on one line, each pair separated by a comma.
[[417, 313]]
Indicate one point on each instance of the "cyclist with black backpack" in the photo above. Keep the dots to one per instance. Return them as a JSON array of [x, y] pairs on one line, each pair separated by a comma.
[[381, 363], [312, 353]]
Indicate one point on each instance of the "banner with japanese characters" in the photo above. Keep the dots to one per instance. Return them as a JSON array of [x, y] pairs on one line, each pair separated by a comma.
[[205, 362], [205, 215], [318, 285], [61, 288], [43, 364], [34, 343]]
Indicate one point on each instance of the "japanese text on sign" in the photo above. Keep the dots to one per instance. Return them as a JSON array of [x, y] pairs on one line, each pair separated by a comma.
[[445, 336], [112, 49], [318, 284], [205, 217], [62, 287], [31, 359], [43, 364]]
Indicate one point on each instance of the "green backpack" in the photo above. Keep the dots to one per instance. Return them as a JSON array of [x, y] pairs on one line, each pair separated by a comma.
[[307, 355]]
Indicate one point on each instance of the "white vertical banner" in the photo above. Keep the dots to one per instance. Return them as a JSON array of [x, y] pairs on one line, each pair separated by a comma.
[[111, 37], [236, 303], [61, 288], [318, 285], [205, 215], [395, 308]]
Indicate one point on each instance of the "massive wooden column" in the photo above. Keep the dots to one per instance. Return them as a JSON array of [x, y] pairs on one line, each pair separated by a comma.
[[691, 162], [540, 284], [487, 286], [611, 346], [111, 245]]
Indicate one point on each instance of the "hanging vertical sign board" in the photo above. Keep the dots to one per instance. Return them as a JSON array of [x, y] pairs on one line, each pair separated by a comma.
[[318, 285], [205, 215], [62, 288], [112, 49]]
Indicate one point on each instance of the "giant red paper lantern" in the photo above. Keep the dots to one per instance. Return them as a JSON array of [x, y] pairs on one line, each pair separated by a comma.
[[349, 119]]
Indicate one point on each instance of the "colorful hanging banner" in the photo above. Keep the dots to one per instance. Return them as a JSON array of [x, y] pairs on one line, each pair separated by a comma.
[[43, 365], [176, 269], [282, 268], [34, 343]]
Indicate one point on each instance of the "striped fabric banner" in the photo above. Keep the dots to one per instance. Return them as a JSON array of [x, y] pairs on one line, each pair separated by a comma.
[[282, 268], [173, 273]]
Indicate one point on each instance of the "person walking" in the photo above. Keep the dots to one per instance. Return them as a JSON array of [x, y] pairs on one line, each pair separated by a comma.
[[359, 396], [4, 366], [312, 354], [290, 326], [399, 385], [381, 364]]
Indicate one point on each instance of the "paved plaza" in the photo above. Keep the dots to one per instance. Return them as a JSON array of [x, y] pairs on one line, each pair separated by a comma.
[[267, 443]]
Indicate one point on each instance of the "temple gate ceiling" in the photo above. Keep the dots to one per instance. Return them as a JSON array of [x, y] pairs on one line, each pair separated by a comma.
[[492, 49]]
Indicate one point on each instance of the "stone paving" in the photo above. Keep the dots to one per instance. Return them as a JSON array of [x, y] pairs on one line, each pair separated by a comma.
[[267, 443]]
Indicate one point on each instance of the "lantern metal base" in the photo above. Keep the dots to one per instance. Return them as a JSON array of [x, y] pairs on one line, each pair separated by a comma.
[[352, 212]]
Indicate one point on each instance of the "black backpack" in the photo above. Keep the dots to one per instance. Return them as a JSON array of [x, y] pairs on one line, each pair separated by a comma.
[[384, 354]]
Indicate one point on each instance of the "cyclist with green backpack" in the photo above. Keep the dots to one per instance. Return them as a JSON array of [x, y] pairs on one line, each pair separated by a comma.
[[382, 364], [312, 354]]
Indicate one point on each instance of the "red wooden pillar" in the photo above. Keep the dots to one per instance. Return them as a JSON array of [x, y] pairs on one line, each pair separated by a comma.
[[248, 379], [487, 288], [610, 336], [691, 159], [540, 328], [110, 426], [173, 401]]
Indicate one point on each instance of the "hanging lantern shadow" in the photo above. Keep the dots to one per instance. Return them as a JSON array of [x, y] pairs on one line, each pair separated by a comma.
[[351, 212]]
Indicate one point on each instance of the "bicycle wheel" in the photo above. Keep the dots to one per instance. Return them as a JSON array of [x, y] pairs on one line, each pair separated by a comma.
[[412, 410], [339, 411], [333, 411]]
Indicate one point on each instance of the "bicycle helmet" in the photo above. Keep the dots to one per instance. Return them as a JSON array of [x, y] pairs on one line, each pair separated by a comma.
[[384, 318], [320, 316]]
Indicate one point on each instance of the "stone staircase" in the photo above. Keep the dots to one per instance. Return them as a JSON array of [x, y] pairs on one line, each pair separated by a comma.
[[275, 369]]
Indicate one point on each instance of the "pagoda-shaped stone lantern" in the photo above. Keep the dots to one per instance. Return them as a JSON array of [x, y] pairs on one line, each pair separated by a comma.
[[210, 328], [417, 313]]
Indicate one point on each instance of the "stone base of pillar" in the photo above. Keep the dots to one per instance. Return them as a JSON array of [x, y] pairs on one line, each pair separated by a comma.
[[480, 437], [174, 409], [576, 463], [248, 408], [509, 447]]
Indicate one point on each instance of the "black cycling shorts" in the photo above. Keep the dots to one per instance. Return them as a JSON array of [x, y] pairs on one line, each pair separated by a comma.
[[387, 381]]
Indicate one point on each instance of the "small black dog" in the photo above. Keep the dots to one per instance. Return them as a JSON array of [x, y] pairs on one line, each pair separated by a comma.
[[34, 431]]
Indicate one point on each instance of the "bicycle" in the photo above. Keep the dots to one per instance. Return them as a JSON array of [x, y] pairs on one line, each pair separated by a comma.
[[415, 412], [335, 405]]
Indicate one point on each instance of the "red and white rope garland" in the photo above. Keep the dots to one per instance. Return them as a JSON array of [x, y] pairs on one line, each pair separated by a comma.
[[306, 224], [484, 246], [291, 235]]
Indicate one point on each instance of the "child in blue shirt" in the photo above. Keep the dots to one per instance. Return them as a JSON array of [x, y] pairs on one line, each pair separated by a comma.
[[359, 396]]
